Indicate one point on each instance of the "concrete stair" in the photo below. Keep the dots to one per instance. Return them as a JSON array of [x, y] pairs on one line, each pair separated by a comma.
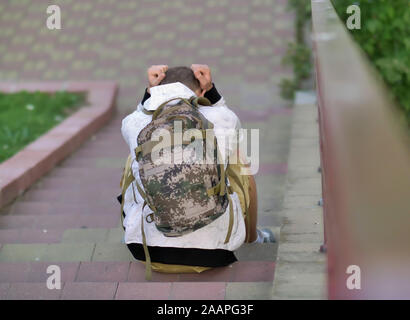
[[301, 269]]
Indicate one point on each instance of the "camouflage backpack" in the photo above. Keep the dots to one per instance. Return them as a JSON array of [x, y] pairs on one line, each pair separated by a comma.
[[183, 196]]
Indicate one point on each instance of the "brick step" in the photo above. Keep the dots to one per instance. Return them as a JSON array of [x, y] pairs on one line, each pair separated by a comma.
[[8, 236], [106, 162], [112, 128], [106, 251], [58, 188], [247, 252], [76, 195], [112, 179], [95, 152], [97, 200], [97, 235], [61, 235], [85, 173], [109, 144], [109, 186], [111, 206], [29, 272], [110, 132], [257, 252], [107, 138], [6, 210], [76, 220], [112, 238], [138, 291], [67, 252]]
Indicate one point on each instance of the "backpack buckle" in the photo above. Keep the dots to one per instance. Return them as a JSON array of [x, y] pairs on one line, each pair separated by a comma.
[[230, 189], [151, 216]]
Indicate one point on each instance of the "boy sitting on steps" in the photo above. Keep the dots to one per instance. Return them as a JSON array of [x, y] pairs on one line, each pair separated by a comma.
[[199, 227]]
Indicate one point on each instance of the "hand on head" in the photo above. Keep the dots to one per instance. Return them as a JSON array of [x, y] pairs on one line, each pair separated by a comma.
[[156, 74], [203, 73]]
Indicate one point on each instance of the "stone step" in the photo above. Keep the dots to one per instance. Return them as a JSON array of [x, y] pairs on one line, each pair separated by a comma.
[[98, 200], [61, 235], [106, 251], [6, 209], [114, 271], [75, 182], [103, 162], [25, 235], [113, 237], [86, 173], [56, 208], [138, 291], [76, 220], [257, 252], [76, 195], [47, 252], [97, 152], [80, 177]]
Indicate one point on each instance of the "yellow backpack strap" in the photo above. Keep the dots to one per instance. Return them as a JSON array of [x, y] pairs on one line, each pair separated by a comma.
[[230, 226], [148, 271], [196, 101], [220, 188], [126, 180], [126, 169], [234, 175], [148, 112], [148, 266], [146, 148], [159, 109], [223, 190]]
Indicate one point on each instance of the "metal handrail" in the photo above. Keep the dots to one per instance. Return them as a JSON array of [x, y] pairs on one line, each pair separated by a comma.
[[365, 159]]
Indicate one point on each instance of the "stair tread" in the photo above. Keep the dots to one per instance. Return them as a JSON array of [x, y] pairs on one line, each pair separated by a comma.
[[114, 271]]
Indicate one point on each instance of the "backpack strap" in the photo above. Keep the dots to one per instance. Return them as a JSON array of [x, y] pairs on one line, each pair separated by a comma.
[[148, 266], [147, 112], [148, 271], [220, 188], [147, 147], [126, 181], [193, 101], [232, 174], [159, 109], [196, 101], [230, 226]]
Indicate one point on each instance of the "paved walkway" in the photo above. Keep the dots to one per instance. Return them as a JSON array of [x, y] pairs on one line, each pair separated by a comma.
[[70, 217], [300, 267]]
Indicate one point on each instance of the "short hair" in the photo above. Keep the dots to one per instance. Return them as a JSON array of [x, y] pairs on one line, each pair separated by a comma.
[[181, 74]]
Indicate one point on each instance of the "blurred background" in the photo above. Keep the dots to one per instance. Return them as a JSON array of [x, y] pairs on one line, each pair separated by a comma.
[[242, 41]]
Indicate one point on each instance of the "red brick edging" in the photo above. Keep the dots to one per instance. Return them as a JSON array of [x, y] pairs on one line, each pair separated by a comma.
[[35, 160]]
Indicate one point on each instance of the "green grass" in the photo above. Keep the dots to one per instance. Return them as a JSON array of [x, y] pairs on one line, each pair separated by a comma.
[[25, 116], [385, 38]]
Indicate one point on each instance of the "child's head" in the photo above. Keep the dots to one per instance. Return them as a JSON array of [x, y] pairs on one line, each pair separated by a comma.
[[184, 75]]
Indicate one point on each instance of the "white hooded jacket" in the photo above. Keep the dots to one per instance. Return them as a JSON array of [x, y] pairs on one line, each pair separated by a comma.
[[212, 236]]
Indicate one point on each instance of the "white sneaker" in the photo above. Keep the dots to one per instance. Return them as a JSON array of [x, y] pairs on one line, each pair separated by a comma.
[[265, 235]]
